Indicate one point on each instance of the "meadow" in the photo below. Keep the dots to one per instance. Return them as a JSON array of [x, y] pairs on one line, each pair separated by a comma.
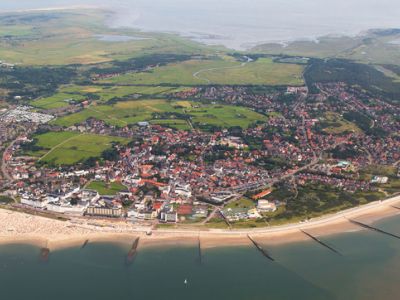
[[333, 123], [61, 38], [165, 112], [56, 101], [68, 148], [222, 70]]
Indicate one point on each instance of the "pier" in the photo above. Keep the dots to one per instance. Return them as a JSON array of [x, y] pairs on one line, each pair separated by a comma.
[[260, 248], [374, 228], [132, 252], [320, 242]]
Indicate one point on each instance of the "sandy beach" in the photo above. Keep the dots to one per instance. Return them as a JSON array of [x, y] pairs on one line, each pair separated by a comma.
[[53, 234]]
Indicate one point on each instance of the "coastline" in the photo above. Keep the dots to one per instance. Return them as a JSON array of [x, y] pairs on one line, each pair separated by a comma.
[[20, 228]]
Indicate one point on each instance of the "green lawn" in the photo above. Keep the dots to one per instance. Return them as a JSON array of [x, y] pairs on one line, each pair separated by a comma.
[[103, 188], [68, 148], [242, 203]]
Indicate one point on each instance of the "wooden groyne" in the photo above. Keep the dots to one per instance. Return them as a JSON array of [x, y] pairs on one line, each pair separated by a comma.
[[44, 253], [396, 207], [320, 242], [260, 248], [85, 244], [132, 252], [199, 251], [374, 229]]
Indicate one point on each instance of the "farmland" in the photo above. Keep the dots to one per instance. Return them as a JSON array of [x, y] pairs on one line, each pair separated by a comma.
[[159, 111], [221, 70], [67, 148]]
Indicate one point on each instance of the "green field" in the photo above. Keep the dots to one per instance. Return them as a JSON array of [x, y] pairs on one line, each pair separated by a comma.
[[106, 93], [57, 101], [173, 123], [67, 148], [131, 112], [224, 70], [333, 123], [103, 188]]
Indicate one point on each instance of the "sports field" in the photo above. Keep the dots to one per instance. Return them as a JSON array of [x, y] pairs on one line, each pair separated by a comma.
[[67, 148], [163, 111]]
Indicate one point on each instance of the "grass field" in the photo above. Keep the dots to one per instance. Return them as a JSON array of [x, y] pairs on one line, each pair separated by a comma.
[[67, 148], [217, 71], [173, 123], [57, 101], [242, 203], [76, 93], [106, 189], [130, 112], [333, 123], [106, 93]]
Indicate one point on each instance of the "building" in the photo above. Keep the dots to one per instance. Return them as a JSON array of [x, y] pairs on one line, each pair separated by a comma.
[[266, 206], [114, 212]]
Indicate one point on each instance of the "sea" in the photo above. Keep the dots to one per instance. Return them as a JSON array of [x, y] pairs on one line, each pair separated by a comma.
[[367, 267], [239, 24]]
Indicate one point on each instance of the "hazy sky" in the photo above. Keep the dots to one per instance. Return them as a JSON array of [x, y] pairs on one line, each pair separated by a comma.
[[238, 22]]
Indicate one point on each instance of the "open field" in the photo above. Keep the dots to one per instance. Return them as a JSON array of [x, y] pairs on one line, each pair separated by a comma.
[[103, 189], [130, 112], [106, 93], [57, 101], [173, 123], [71, 94], [333, 123], [224, 70], [67, 148]]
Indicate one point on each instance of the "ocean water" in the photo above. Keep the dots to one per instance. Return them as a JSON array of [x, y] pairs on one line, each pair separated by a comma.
[[240, 24], [369, 268]]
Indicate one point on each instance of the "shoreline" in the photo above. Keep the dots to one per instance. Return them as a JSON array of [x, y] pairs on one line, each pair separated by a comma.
[[20, 228]]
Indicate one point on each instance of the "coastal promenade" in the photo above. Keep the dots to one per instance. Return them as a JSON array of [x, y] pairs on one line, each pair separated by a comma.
[[24, 228]]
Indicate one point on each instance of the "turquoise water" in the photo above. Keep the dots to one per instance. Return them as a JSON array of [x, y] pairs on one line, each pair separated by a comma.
[[368, 269]]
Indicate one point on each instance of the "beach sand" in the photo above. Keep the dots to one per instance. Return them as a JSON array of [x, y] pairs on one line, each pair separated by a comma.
[[20, 228]]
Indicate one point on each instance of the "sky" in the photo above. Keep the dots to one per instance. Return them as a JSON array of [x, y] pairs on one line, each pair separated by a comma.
[[238, 23]]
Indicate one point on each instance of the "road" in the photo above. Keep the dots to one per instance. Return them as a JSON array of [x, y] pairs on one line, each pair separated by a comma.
[[6, 175]]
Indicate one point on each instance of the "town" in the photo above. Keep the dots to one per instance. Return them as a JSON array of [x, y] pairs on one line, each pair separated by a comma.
[[165, 175]]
